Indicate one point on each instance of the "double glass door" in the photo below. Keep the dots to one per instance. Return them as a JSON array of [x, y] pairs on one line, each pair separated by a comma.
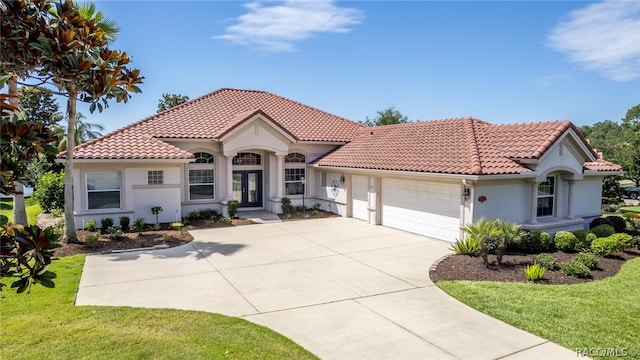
[[247, 188]]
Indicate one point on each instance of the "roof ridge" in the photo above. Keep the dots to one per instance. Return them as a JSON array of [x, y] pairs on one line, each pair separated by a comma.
[[470, 132]]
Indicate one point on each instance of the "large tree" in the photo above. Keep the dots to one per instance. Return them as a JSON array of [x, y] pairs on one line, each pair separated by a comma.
[[56, 43], [38, 105], [388, 116], [170, 100], [84, 132]]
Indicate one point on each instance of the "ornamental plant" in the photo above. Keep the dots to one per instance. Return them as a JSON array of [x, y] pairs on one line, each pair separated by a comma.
[[565, 241], [588, 259], [468, 246], [605, 246], [547, 261], [603, 230], [534, 272], [576, 269]]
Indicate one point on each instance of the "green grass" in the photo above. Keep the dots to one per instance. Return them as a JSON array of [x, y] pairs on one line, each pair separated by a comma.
[[33, 209], [633, 209], [599, 314], [45, 324]]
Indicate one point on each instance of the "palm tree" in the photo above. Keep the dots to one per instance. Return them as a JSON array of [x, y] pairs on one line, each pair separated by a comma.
[[84, 131]]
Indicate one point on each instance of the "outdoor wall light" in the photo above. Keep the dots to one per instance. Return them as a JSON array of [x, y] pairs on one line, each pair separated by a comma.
[[341, 179], [466, 192]]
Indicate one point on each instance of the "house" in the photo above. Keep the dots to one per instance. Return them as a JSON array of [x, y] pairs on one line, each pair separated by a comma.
[[430, 177]]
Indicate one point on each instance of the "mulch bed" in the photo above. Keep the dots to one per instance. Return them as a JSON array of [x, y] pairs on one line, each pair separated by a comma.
[[462, 267], [309, 214]]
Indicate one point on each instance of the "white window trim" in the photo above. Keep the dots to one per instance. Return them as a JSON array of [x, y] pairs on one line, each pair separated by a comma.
[[119, 190], [552, 196], [202, 166], [158, 176], [296, 165]]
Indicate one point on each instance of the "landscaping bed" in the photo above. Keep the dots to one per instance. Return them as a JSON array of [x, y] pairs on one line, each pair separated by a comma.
[[463, 267]]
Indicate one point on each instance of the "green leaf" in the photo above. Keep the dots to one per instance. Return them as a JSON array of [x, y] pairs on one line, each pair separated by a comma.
[[47, 283], [92, 108], [21, 284]]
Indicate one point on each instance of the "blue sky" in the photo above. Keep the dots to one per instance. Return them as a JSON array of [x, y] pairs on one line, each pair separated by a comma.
[[503, 61]]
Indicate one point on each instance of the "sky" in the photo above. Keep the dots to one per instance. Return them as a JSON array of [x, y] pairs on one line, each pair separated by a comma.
[[499, 61]]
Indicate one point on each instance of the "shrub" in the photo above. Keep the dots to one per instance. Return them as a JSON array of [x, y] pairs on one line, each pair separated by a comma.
[[565, 241], [124, 222], [547, 261], [605, 246], [115, 233], [287, 208], [138, 225], [543, 240], [493, 236], [209, 214], [233, 208], [625, 241], [195, 214], [50, 191], [91, 240], [90, 225], [584, 239], [618, 223], [106, 223], [534, 272], [603, 230], [588, 259], [316, 208], [599, 221], [468, 246], [176, 225], [576, 269]]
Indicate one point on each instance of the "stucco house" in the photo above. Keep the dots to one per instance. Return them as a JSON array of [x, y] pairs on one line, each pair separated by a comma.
[[428, 177]]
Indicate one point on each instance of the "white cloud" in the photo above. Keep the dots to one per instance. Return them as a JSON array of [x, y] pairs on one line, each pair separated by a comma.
[[604, 37], [278, 27]]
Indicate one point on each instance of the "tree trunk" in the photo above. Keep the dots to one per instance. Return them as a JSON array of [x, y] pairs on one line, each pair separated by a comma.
[[69, 221], [19, 208]]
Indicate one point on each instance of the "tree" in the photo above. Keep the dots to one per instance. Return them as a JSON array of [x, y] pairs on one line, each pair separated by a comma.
[[387, 116], [69, 50], [170, 100], [84, 131], [38, 105], [604, 136]]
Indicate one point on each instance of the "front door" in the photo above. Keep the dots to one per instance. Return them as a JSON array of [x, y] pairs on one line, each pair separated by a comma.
[[247, 188]]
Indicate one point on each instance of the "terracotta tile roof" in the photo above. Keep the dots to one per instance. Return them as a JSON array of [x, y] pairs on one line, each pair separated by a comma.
[[212, 115], [452, 146], [602, 165]]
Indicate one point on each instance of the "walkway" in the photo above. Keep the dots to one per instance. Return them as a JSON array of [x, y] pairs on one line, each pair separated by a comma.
[[338, 287]]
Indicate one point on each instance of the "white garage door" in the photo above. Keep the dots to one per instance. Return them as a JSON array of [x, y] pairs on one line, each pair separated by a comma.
[[359, 186], [423, 208]]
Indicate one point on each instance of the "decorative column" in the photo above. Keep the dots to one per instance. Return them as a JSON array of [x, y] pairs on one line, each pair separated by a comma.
[[229, 169], [570, 214], [533, 216], [279, 176]]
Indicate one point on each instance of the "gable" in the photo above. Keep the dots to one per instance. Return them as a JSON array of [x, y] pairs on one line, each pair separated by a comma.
[[256, 132]]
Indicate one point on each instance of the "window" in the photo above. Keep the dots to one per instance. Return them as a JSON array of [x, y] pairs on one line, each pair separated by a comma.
[[202, 177], [155, 177], [294, 158], [247, 159], [546, 195], [103, 190], [323, 179], [294, 181]]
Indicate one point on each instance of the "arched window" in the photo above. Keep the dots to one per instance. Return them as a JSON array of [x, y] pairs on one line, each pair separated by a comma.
[[246, 158], [202, 177], [294, 174]]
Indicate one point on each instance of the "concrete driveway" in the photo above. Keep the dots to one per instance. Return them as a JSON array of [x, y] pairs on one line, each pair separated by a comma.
[[338, 287]]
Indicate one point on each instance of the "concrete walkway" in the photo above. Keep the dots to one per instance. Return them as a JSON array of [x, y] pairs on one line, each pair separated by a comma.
[[339, 287]]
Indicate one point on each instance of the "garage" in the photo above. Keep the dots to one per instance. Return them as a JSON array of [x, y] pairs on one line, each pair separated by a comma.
[[425, 208], [359, 188]]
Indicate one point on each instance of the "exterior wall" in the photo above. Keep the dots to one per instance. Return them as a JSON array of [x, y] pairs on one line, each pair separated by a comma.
[[332, 194], [505, 199], [136, 196], [588, 199]]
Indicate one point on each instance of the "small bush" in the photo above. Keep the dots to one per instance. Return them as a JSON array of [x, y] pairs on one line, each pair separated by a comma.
[[528, 243], [584, 239], [565, 241], [91, 240], [605, 246], [469, 246], [534, 272], [106, 224], [209, 214], [50, 191], [588, 259], [115, 233], [599, 221], [195, 214], [316, 208], [176, 225], [124, 222], [603, 230], [233, 206], [547, 261], [576, 269], [138, 225], [618, 223], [90, 225], [625, 241], [287, 208], [543, 240]]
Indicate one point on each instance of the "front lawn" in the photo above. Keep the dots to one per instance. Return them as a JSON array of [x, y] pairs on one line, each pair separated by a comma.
[[599, 314], [45, 324], [32, 207]]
